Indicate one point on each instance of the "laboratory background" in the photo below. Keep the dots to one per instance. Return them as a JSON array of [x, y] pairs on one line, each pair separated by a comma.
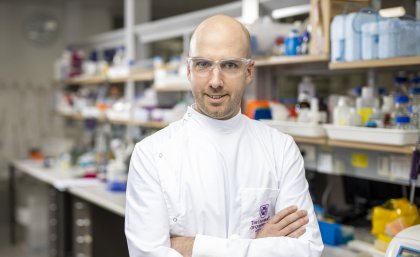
[[82, 81]]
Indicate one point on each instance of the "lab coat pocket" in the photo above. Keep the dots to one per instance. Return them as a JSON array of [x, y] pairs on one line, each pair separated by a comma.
[[257, 207]]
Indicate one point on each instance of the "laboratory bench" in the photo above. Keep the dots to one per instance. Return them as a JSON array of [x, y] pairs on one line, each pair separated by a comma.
[[86, 219]]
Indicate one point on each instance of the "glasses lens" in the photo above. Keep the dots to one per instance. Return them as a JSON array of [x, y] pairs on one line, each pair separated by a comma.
[[232, 67], [201, 65]]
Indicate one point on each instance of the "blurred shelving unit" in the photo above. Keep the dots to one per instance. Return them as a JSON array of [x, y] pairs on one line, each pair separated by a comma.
[[287, 60], [95, 80], [411, 62], [405, 149], [103, 119]]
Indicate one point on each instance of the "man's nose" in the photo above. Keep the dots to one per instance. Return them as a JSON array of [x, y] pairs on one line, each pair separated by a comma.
[[216, 77]]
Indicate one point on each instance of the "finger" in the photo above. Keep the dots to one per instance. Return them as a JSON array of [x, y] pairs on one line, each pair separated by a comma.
[[282, 214], [293, 226], [297, 233], [286, 221]]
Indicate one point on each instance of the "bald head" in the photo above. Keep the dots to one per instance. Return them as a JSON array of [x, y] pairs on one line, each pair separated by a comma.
[[224, 31]]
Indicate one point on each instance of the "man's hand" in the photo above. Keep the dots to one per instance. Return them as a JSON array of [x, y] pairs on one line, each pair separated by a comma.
[[287, 222], [183, 245]]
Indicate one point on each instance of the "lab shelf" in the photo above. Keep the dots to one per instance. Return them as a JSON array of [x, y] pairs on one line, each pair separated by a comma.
[[407, 149], [375, 64], [131, 122], [286, 60], [94, 80], [311, 140]]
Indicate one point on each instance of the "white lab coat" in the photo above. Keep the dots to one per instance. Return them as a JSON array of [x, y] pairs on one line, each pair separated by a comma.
[[219, 181]]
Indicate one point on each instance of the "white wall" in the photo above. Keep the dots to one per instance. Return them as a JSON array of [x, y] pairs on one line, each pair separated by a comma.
[[22, 60]]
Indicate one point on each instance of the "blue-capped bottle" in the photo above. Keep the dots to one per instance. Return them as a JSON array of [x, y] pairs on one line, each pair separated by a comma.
[[401, 114], [414, 107], [400, 87]]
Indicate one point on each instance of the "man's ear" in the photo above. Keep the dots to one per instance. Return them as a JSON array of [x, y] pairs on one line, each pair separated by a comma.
[[250, 72]]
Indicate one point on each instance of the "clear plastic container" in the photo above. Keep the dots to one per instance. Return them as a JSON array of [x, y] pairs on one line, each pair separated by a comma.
[[388, 38], [341, 113], [414, 108], [370, 40], [407, 38], [401, 114], [338, 38], [366, 103], [353, 34]]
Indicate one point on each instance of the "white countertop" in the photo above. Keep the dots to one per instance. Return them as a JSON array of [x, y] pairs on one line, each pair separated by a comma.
[[101, 196], [61, 179]]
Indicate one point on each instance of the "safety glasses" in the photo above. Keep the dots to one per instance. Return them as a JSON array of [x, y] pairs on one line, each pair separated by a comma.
[[229, 67]]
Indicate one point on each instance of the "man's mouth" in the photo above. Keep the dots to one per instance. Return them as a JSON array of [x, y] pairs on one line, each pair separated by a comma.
[[216, 96]]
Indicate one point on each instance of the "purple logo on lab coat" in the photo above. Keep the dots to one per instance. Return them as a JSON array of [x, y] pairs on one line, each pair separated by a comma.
[[264, 210]]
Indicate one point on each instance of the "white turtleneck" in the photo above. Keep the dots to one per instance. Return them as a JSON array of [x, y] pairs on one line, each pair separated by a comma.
[[219, 181]]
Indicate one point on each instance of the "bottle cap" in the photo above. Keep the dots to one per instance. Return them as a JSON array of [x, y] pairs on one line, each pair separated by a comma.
[[399, 79], [415, 90], [402, 99], [342, 101], [402, 120], [367, 92]]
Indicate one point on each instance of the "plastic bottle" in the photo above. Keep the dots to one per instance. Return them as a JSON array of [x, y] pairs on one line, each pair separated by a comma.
[[365, 104], [387, 109], [341, 112], [354, 117], [400, 87], [303, 107], [119, 56], [414, 107], [306, 85], [306, 36], [376, 119], [292, 44], [401, 114], [314, 115]]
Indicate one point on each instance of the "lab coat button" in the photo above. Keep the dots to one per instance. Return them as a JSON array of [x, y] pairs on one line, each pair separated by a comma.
[[189, 114], [160, 155], [174, 219]]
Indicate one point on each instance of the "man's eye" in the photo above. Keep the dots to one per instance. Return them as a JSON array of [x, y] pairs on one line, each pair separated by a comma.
[[202, 64], [229, 65]]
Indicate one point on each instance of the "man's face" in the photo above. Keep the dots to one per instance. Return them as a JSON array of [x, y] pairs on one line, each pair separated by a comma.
[[218, 92]]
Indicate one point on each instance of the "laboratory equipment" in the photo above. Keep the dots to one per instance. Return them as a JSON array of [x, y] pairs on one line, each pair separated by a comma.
[[405, 244]]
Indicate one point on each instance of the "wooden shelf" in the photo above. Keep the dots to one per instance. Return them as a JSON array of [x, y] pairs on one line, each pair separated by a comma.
[[407, 149], [87, 80], [143, 76], [382, 63], [94, 80], [143, 124], [286, 60], [310, 140], [102, 118]]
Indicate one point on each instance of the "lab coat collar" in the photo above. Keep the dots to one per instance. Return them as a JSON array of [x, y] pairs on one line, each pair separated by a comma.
[[214, 125]]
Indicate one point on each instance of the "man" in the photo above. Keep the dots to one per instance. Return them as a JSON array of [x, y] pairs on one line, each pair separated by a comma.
[[216, 183]]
